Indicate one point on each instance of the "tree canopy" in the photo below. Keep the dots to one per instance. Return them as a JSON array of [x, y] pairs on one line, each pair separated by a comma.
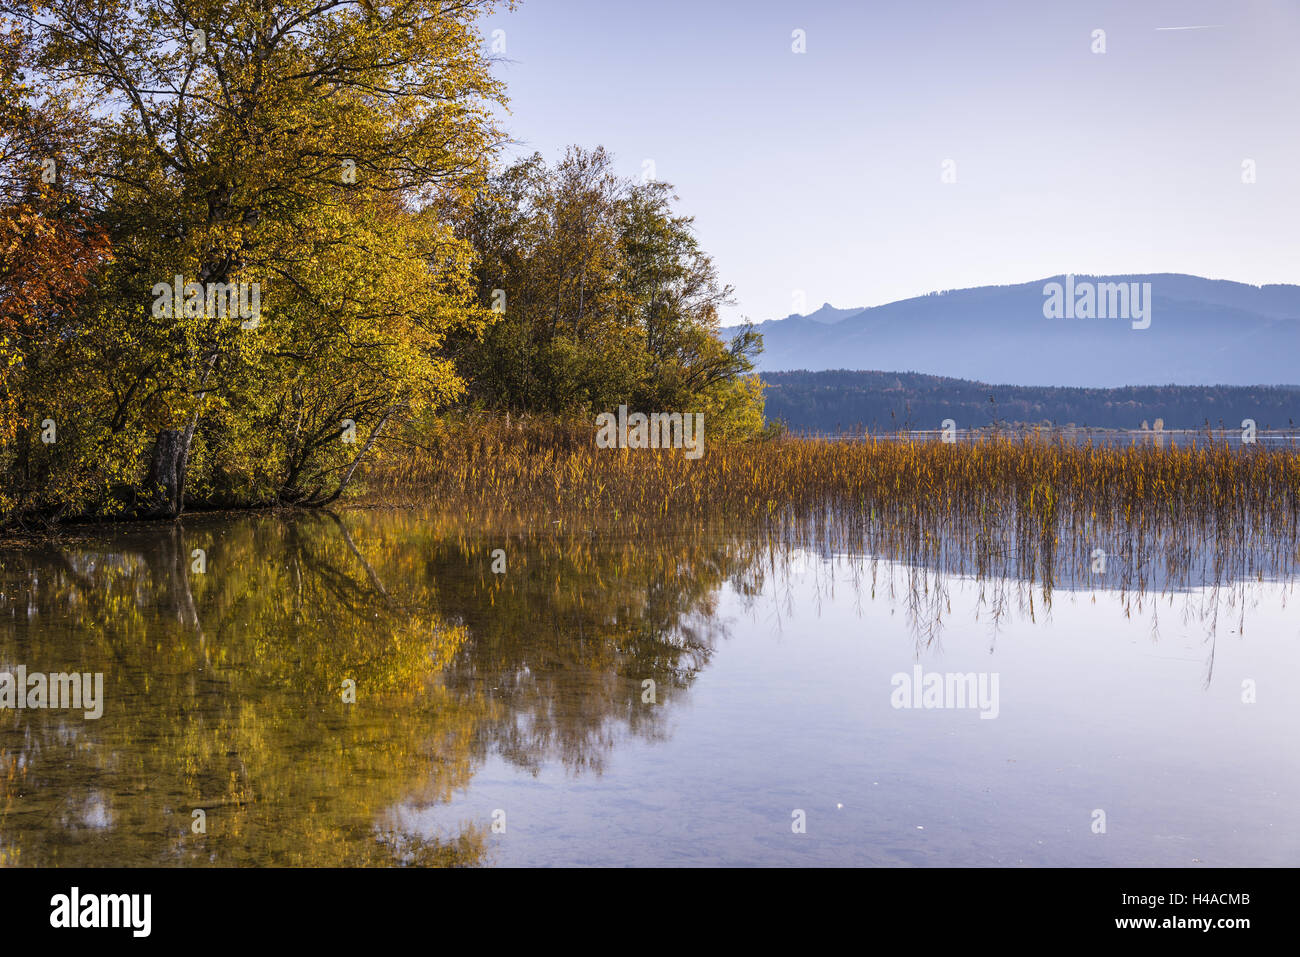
[[240, 240], [604, 295]]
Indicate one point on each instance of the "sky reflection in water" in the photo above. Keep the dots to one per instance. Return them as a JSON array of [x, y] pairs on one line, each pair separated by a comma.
[[523, 693]]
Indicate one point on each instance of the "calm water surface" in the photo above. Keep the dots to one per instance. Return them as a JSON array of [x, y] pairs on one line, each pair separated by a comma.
[[505, 718]]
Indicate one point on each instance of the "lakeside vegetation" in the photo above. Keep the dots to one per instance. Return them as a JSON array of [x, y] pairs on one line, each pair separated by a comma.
[[486, 461], [347, 163], [434, 321], [1031, 507]]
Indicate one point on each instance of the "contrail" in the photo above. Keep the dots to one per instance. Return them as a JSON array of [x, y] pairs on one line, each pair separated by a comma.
[[1205, 26]]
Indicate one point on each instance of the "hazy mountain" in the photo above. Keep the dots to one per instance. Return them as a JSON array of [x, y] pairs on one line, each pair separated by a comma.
[[1202, 332]]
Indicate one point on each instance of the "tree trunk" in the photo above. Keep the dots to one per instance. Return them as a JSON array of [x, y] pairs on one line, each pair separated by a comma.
[[347, 476], [162, 486], [165, 484]]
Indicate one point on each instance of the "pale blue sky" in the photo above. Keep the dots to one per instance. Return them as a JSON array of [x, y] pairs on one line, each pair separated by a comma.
[[821, 172]]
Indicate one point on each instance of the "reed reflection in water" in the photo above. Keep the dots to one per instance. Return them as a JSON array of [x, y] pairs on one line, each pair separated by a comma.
[[523, 697]]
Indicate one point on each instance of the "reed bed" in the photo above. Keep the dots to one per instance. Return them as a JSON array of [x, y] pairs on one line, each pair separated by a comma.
[[1031, 506]]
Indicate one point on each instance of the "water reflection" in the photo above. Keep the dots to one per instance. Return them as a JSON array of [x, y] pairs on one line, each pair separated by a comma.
[[226, 645]]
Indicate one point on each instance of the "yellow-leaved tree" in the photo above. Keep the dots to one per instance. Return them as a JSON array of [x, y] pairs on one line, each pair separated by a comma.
[[274, 178]]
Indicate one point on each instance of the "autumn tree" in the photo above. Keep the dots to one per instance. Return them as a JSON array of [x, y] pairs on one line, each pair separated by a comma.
[[49, 253], [604, 296], [298, 149], [675, 296]]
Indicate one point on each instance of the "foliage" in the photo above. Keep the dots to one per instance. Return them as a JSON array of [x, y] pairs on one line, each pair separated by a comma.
[[329, 168], [605, 298], [302, 149]]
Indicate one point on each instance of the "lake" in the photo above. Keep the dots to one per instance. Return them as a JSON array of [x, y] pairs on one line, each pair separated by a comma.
[[380, 686]]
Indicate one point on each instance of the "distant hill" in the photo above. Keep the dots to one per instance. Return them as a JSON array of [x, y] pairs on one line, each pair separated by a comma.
[[884, 401], [1202, 332]]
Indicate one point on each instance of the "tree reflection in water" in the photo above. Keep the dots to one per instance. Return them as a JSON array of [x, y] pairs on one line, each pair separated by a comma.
[[224, 687]]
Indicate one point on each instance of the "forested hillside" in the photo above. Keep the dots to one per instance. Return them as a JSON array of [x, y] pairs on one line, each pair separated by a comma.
[[884, 401]]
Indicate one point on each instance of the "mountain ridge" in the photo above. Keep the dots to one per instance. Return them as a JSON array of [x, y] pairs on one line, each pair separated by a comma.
[[1202, 332]]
